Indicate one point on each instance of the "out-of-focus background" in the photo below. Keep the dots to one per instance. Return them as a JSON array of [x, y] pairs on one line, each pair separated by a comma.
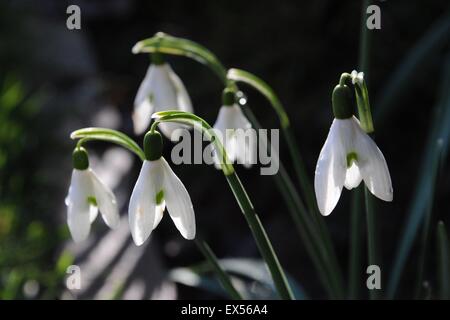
[[54, 80]]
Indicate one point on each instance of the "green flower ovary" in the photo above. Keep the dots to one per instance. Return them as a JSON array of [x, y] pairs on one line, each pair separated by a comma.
[[352, 156], [92, 201], [159, 197]]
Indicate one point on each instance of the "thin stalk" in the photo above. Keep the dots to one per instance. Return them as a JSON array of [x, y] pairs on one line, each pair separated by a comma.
[[364, 65], [433, 171], [330, 276], [312, 216], [355, 245], [443, 262], [365, 41], [257, 229], [372, 239], [261, 238], [222, 276]]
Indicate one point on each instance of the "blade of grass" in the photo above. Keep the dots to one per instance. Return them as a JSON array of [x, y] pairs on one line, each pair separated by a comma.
[[433, 171], [222, 276], [443, 262], [303, 223], [414, 65], [355, 244], [364, 66], [440, 133]]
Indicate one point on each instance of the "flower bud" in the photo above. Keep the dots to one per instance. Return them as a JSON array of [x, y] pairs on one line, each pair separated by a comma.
[[157, 58], [228, 97], [153, 146], [80, 159], [342, 102]]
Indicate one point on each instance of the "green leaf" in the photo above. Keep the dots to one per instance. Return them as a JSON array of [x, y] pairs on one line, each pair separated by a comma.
[[414, 66], [443, 262], [437, 144], [108, 135], [167, 44], [222, 276]]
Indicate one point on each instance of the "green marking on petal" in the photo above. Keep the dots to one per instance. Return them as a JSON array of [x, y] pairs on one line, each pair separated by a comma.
[[352, 156], [159, 197], [92, 201]]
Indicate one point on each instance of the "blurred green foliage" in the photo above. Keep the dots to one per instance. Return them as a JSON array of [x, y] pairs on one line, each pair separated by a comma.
[[24, 239]]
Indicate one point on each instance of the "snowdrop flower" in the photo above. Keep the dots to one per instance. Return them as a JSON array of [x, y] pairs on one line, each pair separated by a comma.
[[357, 77], [160, 90], [348, 156], [157, 188], [234, 131], [87, 195]]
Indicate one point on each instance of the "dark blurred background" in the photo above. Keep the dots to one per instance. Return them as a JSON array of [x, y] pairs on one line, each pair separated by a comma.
[[54, 80]]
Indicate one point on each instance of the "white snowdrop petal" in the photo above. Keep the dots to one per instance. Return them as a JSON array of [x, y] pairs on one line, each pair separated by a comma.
[[373, 167], [143, 106], [141, 211], [169, 94], [330, 170], [352, 177], [93, 213], [230, 119], [142, 116], [183, 100], [78, 206], [159, 213], [164, 91], [106, 202], [178, 203], [246, 145]]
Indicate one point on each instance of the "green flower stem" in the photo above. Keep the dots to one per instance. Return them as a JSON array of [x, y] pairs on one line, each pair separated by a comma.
[[443, 262], [167, 44], [258, 231], [319, 228], [261, 238], [372, 239], [222, 276], [433, 172], [108, 135], [299, 166], [365, 40], [355, 245], [306, 229], [365, 117]]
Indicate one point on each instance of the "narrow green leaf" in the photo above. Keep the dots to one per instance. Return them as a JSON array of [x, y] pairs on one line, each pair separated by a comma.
[[439, 135], [220, 273], [356, 224], [318, 228], [167, 44], [108, 135], [414, 66], [443, 262], [259, 233]]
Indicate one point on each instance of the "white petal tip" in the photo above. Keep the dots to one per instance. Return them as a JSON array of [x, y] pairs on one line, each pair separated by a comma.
[[138, 242], [189, 236], [136, 48], [325, 213]]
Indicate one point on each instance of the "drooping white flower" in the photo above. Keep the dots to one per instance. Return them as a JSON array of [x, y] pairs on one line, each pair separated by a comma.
[[235, 132], [349, 156], [88, 195], [160, 90], [158, 188], [357, 77]]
